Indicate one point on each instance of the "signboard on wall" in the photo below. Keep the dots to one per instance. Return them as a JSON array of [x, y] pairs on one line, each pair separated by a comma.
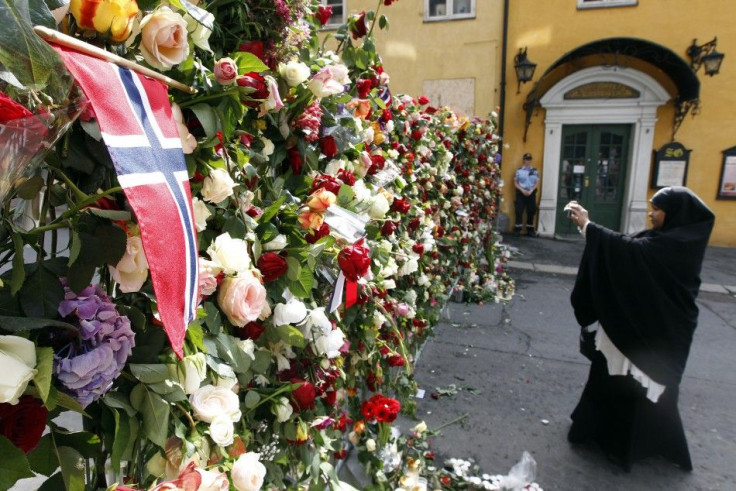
[[670, 165]]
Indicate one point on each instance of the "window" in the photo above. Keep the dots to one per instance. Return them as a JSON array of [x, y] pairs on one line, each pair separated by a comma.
[[338, 13], [594, 4], [448, 9]]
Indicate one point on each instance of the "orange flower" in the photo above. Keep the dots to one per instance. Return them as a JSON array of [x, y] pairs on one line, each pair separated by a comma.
[[106, 16], [362, 107], [359, 426], [311, 220], [321, 199]]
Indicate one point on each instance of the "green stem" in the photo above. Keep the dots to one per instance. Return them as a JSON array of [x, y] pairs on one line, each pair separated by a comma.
[[278, 392], [209, 97], [456, 420], [78, 193]]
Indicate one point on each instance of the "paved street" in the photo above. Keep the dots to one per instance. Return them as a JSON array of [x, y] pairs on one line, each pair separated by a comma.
[[525, 374]]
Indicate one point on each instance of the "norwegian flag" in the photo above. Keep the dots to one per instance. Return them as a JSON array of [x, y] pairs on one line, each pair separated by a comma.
[[135, 119]]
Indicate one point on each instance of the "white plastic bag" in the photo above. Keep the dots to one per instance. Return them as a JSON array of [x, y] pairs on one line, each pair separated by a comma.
[[521, 474]]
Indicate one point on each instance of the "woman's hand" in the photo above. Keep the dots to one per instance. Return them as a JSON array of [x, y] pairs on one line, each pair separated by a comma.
[[578, 214]]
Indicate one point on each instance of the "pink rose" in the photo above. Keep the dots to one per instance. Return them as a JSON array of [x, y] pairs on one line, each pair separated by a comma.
[[226, 71], [241, 298]]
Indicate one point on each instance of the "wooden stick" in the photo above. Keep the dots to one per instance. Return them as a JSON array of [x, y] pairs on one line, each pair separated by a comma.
[[88, 49]]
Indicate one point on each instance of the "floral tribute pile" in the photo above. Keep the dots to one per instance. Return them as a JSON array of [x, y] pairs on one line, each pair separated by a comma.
[[334, 220]]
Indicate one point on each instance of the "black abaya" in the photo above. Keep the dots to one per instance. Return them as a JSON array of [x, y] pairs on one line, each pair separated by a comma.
[[641, 288]]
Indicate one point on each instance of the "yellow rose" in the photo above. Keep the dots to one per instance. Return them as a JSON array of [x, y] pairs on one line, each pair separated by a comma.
[[106, 16]]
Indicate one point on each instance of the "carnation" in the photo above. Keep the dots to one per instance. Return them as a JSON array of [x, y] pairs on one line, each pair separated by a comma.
[[87, 366]]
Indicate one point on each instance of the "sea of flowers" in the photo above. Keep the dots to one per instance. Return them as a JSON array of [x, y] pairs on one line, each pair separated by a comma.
[[302, 165]]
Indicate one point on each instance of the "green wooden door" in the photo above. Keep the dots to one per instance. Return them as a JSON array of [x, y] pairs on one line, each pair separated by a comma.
[[593, 164]]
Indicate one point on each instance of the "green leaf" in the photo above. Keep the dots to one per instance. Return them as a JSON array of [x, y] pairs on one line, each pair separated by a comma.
[[86, 443], [272, 210], [291, 335], [13, 464], [150, 373], [248, 62], [113, 215], [294, 268], [75, 248], [232, 354], [43, 458], [267, 232], [41, 294], [213, 319], [120, 442], [117, 400], [19, 272], [155, 413], [72, 473], [44, 369], [262, 362], [303, 286], [345, 196], [195, 335], [252, 398], [15, 324], [207, 118], [30, 188]]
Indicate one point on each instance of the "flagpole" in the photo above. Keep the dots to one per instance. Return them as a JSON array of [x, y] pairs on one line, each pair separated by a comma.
[[88, 49]]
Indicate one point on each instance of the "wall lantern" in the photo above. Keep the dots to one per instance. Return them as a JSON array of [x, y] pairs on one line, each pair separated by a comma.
[[524, 68], [705, 55]]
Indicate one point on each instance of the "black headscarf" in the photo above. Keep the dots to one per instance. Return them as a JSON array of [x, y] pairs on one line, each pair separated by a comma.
[[642, 287]]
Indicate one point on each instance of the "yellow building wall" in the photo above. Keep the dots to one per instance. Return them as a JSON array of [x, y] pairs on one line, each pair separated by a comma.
[[415, 52], [552, 28]]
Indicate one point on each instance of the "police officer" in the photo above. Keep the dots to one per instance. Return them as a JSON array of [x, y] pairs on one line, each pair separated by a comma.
[[526, 179]]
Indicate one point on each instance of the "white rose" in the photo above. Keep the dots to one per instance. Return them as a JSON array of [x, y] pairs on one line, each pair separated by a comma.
[[409, 267], [388, 284], [420, 428], [213, 480], [333, 166], [132, 270], [317, 318], [379, 207], [390, 128], [17, 365], [201, 214], [292, 312], [198, 32], [329, 344], [230, 254], [370, 445], [191, 371], [222, 430], [164, 38], [248, 472], [275, 244], [210, 401], [295, 72], [282, 409], [268, 147], [217, 186]]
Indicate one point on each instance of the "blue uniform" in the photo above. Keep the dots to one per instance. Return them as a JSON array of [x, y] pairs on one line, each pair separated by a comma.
[[527, 177]]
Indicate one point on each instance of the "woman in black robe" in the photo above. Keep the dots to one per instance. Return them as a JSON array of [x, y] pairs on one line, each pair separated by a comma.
[[635, 298]]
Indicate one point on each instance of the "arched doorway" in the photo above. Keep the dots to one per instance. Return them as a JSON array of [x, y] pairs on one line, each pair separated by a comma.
[[597, 120]]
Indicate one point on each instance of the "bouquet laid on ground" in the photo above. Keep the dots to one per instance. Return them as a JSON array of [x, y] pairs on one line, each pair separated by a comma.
[[333, 218]]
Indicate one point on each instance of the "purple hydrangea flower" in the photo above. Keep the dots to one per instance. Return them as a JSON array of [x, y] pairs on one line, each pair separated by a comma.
[[87, 367]]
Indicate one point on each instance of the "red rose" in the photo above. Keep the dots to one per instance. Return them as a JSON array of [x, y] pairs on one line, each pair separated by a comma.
[[295, 160], [10, 110], [388, 3], [326, 182], [346, 177], [400, 205], [23, 423], [358, 26], [387, 115], [416, 135], [354, 260], [254, 212], [364, 86], [388, 228], [251, 330], [255, 47], [304, 395], [257, 83], [323, 14], [418, 247], [423, 100], [328, 145], [272, 266], [330, 397]]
